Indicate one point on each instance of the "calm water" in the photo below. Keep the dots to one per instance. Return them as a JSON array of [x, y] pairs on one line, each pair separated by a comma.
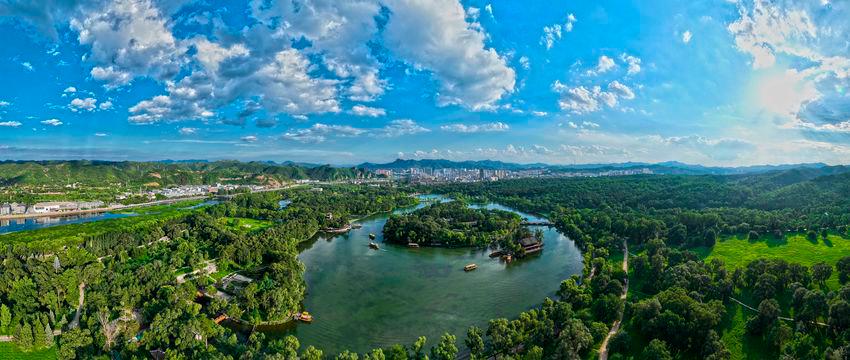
[[8, 226], [363, 298]]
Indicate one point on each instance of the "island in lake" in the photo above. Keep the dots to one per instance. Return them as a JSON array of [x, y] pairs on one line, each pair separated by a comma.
[[455, 224]]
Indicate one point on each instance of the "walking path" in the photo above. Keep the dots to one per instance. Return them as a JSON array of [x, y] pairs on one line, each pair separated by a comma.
[[780, 317], [603, 349]]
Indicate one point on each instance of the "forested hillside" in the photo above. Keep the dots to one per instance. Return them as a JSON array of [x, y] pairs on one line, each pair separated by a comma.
[[99, 173]]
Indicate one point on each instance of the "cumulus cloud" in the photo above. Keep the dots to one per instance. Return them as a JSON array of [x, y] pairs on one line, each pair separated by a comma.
[[249, 138], [633, 63], [87, 104], [4, 103], [362, 110], [129, 38], [476, 128], [13, 124], [27, 65], [435, 35], [51, 122], [525, 62], [106, 105], [603, 65], [69, 90], [621, 90]]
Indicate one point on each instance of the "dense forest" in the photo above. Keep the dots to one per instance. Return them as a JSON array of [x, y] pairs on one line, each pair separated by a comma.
[[452, 224]]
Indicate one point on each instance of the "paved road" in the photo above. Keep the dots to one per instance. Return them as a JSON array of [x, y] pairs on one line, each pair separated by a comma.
[[603, 349]]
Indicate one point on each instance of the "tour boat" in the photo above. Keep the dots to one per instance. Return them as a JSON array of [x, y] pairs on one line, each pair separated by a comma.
[[303, 316], [470, 267], [413, 245], [372, 236], [373, 245]]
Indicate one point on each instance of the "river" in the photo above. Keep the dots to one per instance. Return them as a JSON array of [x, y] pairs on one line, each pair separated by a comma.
[[363, 298]]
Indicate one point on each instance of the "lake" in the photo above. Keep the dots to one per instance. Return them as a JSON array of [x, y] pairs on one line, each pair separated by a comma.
[[363, 298], [9, 226]]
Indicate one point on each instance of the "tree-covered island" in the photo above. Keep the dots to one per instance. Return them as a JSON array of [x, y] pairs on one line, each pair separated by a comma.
[[455, 224]]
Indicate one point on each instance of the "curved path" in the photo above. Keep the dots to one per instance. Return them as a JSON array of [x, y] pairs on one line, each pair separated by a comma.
[[603, 349]]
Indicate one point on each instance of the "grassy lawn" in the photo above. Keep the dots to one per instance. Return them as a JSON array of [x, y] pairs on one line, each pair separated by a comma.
[[738, 251], [8, 351], [244, 225]]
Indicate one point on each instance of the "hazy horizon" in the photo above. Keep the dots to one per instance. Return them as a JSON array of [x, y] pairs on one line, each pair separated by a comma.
[[733, 83]]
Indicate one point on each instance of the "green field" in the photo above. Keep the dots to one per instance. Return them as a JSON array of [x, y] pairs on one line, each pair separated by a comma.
[[738, 251], [244, 225], [8, 351]]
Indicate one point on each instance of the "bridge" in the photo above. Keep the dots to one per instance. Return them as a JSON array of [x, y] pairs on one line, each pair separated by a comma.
[[537, 223]]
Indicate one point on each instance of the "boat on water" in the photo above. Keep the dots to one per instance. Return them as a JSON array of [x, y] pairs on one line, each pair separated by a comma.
[[470, 267], [303, 317], [413, 245], [371, 236], [373, 245], [356, 226]]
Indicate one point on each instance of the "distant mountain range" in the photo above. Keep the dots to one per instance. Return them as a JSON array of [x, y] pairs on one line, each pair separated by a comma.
[[669, 167]]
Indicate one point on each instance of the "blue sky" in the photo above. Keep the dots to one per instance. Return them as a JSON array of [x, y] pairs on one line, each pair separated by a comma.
[[711, 82]]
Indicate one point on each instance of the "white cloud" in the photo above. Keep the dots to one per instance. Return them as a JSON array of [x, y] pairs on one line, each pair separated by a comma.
[[686, 36], [550, 35], [52, 122], [10, 124], [401, 127], [249, 138], [525, 62], [539, 113], [87, 104], [476, 128], [211, 54], [554, 32], [603, 65], [188, 131], [583, 100], [489, 9], [633, 63], [621, 90], [434, 35], [113, 78], [129, 38], [70, 89], [4, 103], [106, 105], [362, 110], [320, 132], [28, 65], [101, 134], [768, 29]]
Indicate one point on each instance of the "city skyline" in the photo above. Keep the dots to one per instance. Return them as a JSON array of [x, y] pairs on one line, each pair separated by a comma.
[[728, 83]]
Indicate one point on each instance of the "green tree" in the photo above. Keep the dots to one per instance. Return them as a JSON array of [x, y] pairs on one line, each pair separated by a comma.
[[656, 350], [418, 349], [347, 355], [311, 353], [24, 336], [446, 349], [70, 342], [821, 272], [843, 268], [475, 341], [375, 354], [5, 318]]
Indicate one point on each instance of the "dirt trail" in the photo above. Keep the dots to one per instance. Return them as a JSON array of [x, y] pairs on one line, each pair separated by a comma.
[[603, 349]]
